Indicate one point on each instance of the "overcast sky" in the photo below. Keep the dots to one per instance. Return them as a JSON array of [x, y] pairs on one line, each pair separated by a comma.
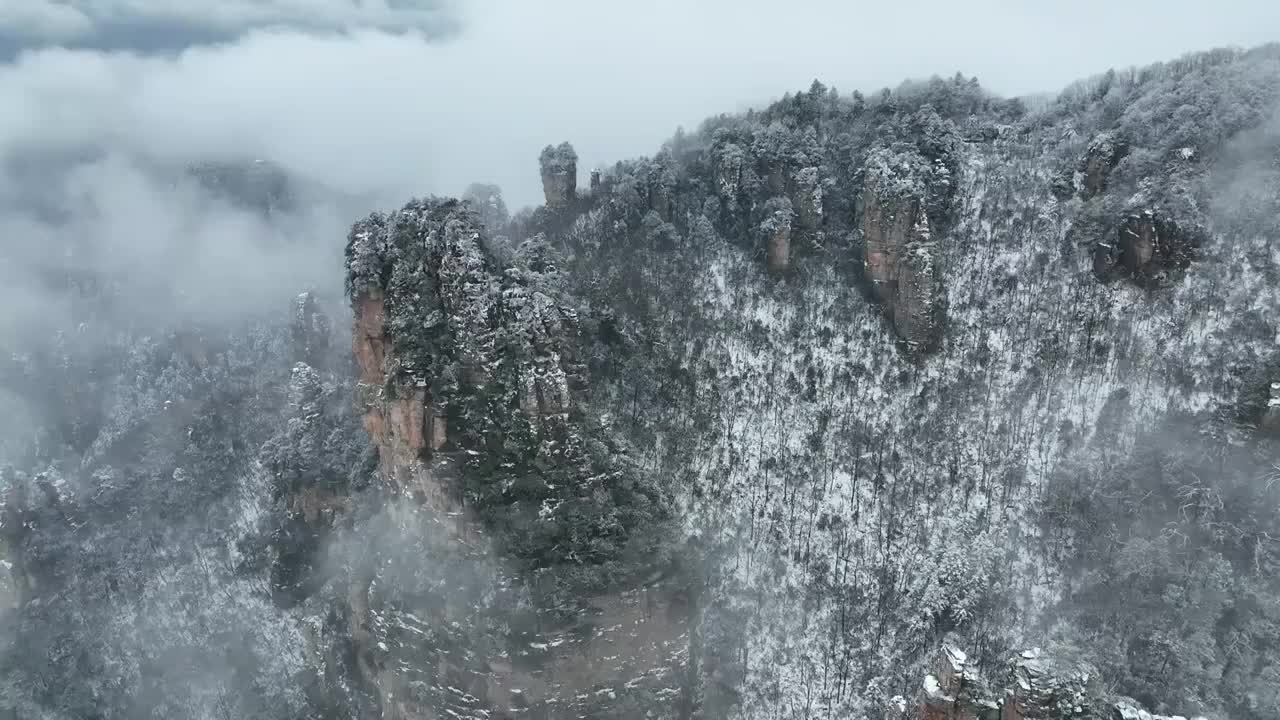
[[379, 107]]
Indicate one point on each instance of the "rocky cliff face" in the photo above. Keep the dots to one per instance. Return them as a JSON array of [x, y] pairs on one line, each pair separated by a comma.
[[1104, 153], [1031, 685], [1147, 248], [559, 165], [900, 261], [777, 232], [467, 369]]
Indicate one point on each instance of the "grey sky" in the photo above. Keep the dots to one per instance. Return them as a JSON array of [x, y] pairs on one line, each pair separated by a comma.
[[159, 25], [366, 110]]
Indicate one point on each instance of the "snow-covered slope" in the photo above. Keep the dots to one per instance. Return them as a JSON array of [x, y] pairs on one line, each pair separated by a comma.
[[743, 430], [860, 497]]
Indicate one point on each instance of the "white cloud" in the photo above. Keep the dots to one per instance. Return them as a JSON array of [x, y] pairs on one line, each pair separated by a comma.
[[60, 19], [43, 19], [173, 251]]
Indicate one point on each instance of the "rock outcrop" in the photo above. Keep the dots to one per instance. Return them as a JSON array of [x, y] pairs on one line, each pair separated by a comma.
[[1033, 686], [900, 254], [559, 165], [1147, 248], [1104, 153], [310, 331], [467, 385], [777, 234]]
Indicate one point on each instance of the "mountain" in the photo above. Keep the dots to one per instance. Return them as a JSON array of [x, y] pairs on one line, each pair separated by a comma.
[[819, 401]]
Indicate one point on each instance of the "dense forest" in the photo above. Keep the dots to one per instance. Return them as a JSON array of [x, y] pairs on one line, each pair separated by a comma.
[[748, 428]]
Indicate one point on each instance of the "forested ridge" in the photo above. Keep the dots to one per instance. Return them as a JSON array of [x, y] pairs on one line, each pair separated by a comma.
[[809, 392]]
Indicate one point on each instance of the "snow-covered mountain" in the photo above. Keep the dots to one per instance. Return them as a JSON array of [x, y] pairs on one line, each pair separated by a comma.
[[747, 429]]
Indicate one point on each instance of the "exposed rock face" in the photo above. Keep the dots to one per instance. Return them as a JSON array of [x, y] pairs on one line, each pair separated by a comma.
[[1147, 248], [369, 338], [1034, 687], [777, 233], [1105, 151], [400, 418], [1043, 688], [447, 346], [559, 166], [1138, 239], [900, 259]]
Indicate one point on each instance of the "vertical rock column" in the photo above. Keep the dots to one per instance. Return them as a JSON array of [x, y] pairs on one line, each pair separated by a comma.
[[942, 698], [777, 231], [309, 333], [559, 165], [900, 262]]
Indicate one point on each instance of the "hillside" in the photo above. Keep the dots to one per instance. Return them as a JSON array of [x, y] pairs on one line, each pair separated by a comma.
[[747, 429]]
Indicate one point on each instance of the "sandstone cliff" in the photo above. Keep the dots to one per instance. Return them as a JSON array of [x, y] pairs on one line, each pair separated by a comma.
[[470, 390], [900, 253], [559, 165], [777, 231], [1147, 248], [1101, 157]]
